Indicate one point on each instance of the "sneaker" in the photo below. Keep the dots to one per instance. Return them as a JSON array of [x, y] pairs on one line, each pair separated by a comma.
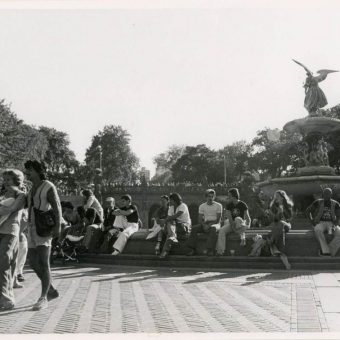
[[20, 278], [8, 305], [52, 294], [40, 304], [115, 253], [243, 242]]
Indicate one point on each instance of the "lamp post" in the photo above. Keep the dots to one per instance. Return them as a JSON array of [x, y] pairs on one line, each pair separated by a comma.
[[224, 170], [99, 148]]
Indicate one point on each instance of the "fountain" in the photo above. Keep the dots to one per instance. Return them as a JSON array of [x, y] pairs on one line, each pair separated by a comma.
[[315, 172]]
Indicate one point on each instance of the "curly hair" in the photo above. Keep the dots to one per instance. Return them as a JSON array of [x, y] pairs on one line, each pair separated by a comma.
[[17, 177]]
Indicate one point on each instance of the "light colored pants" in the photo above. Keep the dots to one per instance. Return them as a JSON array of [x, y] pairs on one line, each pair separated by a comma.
[[8, 260], [22, 254], [334, 245], [240, 228], [125, 235]]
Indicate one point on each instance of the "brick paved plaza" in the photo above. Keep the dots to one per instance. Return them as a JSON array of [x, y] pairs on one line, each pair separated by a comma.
[[103, 299]]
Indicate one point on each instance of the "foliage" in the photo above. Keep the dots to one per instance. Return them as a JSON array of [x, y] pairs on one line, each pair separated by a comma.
[[164, 162], [119, 163], [274, 158], [18, 141]]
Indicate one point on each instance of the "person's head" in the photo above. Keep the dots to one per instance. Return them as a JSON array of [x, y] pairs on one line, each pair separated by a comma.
[[164, 201], [233, 195], [175, 199], [35, 170], [210, 195], [125, 200], [87, 193], [281, 197], [81, 212], [109, 202], [68, 207], [327, 194], [12, 178]]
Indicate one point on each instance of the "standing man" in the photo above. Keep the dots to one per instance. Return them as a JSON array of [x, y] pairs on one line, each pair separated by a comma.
[[209, 219], [42, 196], [238, 220], [324, 214]]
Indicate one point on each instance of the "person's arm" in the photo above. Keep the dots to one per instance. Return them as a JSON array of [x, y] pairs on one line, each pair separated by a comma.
[[337, 214], [89, 202], [309, 211], [54, 201], [174, 217], [247, 218], [200, 218], [17, 205], [123, 212]]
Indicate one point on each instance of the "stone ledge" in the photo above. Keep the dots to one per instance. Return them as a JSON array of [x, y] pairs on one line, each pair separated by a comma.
[[298, 243], [223, 262]]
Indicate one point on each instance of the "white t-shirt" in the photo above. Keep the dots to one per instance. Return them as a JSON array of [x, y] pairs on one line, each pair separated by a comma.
[[185, 217], [210, 211]]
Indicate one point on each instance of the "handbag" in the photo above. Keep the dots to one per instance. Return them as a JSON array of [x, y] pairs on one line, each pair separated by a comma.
[[44, 220]]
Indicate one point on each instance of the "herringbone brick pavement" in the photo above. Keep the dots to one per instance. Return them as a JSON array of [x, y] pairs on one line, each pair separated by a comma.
[[103, 299]]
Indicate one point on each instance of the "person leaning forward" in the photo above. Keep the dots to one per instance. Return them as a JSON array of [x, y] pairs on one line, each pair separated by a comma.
[[209, 219], [324, 214]]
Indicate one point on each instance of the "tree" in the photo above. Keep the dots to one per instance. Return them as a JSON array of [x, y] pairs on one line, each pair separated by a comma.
[[236, 159], [164, 162], [119, 163], [18, 141], [195, 165], [274, 157]]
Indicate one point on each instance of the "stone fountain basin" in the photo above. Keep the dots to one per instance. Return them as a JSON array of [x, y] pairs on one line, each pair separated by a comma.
[[302, 186], [313, 124]]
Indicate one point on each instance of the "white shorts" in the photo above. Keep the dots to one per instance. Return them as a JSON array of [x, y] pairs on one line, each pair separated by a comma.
[[34, 240]]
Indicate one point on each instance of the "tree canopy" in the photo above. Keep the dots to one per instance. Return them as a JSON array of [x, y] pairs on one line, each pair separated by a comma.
[[119, 163]]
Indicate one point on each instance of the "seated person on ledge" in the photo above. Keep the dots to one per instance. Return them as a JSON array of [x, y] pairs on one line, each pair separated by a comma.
[[238, 220], [127, 220], [281, 209], [209, 219], [324, 214], [177, 223], [110, 232], [93, 222], [159, 228]]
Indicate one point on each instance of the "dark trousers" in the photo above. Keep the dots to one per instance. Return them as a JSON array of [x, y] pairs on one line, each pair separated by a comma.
[[212, 233], [8, 260]]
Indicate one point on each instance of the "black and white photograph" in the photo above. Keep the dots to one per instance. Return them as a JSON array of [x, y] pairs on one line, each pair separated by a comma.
[[170, 168]]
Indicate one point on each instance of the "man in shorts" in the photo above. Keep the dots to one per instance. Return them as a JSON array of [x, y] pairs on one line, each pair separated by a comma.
[[42, 196]]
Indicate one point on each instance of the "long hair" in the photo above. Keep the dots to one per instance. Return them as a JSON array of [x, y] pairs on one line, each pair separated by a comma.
[[176, 198], [287, 204]]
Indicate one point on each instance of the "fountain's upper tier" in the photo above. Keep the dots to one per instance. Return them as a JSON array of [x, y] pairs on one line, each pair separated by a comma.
[[309, 124]]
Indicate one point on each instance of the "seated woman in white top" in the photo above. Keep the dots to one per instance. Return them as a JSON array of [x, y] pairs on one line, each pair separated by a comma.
[[178, 222]]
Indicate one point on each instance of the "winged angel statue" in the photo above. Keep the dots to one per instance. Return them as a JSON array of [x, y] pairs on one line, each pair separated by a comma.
[[315, 98]]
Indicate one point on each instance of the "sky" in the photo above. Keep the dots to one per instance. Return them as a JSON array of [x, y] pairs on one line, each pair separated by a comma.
[[169, 76]]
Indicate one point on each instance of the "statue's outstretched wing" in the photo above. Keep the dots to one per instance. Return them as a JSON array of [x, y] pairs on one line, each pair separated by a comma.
[[307, 70], [322, 72]]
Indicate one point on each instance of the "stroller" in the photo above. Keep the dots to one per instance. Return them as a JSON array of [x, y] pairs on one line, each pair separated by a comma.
[[66, 250]]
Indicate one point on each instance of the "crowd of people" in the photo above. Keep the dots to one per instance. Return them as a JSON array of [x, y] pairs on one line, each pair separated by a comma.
[[34, 220]]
